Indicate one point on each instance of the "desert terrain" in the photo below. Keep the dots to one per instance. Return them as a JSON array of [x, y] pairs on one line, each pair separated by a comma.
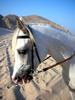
[[47, 85]]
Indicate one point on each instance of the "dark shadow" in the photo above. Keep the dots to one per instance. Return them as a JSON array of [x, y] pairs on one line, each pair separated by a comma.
[[18, 94], [1, 95], [1, 66], [2, 59], [9, 62]]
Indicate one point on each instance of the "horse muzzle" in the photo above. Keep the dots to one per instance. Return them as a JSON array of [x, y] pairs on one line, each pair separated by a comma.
[[24, 72]]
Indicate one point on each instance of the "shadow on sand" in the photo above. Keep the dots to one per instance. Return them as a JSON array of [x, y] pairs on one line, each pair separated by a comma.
[[17, 91]]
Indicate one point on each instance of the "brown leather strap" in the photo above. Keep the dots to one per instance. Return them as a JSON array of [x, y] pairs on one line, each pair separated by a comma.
[[23, 37], [58, 63]]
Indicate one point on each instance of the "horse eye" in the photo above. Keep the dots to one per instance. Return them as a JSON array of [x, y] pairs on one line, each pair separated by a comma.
[[23, 52]]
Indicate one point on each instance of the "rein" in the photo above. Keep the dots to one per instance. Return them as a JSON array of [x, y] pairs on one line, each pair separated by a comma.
[[28, 34], [54, 65]]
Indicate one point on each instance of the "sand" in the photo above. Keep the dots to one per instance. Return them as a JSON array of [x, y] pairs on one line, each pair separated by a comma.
[[48, 85]]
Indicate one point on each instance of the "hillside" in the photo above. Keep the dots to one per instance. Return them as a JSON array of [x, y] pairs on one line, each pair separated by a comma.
[[9, 22], [2, 22], [39, 19]]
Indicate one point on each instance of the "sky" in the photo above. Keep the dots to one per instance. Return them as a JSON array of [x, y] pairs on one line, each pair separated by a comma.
[[59, 11]]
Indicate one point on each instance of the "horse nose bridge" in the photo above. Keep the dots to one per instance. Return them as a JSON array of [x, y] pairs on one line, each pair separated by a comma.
[[15, 70], [23, 70]]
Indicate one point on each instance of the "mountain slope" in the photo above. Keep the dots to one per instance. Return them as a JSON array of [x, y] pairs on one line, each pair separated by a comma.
[[9, 21], [39, 19]]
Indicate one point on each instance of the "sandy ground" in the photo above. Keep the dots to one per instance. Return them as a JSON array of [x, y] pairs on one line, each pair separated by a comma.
[[47, 85]]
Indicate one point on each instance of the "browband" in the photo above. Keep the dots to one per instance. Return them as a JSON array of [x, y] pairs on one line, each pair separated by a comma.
[[22, 37]]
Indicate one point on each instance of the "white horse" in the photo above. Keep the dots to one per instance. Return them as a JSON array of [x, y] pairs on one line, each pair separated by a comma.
[[58, 44]]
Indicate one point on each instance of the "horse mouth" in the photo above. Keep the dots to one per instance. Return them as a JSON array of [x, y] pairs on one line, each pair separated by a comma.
[[26, 78], [24, 73]]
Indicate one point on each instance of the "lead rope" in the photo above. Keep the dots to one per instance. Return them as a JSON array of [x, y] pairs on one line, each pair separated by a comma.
[[34, 48], [54, 65]]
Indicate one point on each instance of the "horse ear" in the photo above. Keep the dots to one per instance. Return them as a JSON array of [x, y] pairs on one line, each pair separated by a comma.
[[20, 24]]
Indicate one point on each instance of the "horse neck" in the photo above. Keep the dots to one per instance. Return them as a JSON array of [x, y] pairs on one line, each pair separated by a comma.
[[58, 50], [42, 46], [49, 44]]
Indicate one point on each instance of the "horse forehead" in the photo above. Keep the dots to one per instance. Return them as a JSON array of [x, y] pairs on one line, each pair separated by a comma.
[[21, 43], [20, 32]]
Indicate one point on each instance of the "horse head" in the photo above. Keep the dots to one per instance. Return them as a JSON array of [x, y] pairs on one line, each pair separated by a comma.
[[23, 49]]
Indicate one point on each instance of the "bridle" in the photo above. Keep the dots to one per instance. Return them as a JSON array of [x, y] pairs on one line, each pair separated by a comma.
[[27, 30], [28, 35], [34, 47]]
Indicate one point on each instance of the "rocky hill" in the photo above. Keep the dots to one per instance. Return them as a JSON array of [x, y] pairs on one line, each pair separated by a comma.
[[9, 21], [2, 22]]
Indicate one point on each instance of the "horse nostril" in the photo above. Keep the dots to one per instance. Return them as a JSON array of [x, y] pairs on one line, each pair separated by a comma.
[[22, 72], [15, 78]]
